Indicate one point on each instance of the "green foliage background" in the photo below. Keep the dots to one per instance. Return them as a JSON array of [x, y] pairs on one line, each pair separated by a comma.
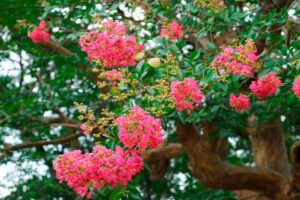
[[56, 82]]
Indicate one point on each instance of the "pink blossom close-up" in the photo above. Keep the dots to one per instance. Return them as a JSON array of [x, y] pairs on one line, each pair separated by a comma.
[[84, 129], [296, 87], [93, 170], [240, 60], [111, 47], [186, 94], [239, 103], [40, 33], [113, 76], [173, 30], [139, 130], [265, 86]]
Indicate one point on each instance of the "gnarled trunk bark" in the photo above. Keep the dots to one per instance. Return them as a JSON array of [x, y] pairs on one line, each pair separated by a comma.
[[268, 180]]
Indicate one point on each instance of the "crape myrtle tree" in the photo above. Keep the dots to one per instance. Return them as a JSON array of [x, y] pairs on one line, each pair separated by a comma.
[[162, 99]]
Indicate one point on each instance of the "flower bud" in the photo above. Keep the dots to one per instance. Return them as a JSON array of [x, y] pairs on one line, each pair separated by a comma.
[[154, 62]]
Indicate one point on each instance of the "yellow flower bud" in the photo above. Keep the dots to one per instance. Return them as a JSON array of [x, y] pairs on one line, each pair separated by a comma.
[[154, 62]]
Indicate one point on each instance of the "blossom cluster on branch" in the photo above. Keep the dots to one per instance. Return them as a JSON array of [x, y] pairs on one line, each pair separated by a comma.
[[40, 33], [172, 31], [101, 166], [109, 46], [265, 86], [241, 60], [239, 103], [137, 132], [113, 76], [186, 94]]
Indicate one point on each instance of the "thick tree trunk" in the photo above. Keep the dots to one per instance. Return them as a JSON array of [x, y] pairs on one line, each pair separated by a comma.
[[268, 146], [268, 181], [269, 151]]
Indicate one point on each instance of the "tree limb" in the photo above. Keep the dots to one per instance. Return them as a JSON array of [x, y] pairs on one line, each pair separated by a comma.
[[56, 48], [207, 166], [172, 150], [60, 140], [52, 45], [159, 159]]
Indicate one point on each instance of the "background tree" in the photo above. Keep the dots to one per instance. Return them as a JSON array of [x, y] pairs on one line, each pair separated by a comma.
[[222, 147]]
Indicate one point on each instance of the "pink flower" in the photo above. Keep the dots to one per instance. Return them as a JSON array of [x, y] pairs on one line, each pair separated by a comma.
[[101, 166], [110, 47], [185, 94], [266, 86], [239, 103], [113, 76], [173, 31], [40, 34], [84, 129], [238, 61], [139, 130], [296, 87]]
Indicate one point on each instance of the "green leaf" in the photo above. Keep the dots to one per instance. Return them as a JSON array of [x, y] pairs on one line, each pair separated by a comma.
[[116, 193]]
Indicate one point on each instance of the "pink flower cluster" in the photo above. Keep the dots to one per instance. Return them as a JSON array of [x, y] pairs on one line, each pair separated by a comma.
[[94, 169], [110, 47], [173, 30], [139, 130], [240, 60], [239, 103], [84, 129], [266, 86], [40, 34], [113, 76], [296, 87], [185, 94]]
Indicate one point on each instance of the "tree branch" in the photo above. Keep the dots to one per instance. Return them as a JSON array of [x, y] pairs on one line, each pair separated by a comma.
[[207, 166], [173, 150], [56, 48], [60, 140], [159, 159], [52, 45]]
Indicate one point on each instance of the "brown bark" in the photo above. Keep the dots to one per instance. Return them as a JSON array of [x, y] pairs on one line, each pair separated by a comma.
[[172, 150], [295, 158], [269, 150], [56, 48], [159, 159], [208, 167], [268, 145]]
